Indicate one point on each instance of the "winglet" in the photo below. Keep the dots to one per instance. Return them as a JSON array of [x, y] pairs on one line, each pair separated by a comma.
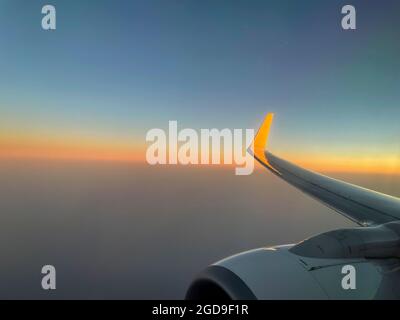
[[261, 138], [261, 141]]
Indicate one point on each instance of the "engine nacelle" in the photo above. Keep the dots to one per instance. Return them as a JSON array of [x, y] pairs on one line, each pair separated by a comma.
[[278, 273]]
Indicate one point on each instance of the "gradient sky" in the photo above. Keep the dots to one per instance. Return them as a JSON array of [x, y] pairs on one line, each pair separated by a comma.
[[114, 69]]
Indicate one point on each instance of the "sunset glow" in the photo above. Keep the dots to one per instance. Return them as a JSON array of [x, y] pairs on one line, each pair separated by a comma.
[[64, 148]]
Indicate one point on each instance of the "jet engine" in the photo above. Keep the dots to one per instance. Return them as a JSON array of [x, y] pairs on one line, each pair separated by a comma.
[[313, 269]]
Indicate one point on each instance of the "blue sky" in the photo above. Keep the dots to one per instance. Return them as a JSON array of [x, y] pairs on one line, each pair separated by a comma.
[[119, 68]]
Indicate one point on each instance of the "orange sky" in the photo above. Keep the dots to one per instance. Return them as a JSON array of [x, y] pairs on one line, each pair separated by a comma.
[[347, 163], [70, 148]]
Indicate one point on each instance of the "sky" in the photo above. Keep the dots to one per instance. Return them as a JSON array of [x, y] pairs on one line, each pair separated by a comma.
[[115, 69]]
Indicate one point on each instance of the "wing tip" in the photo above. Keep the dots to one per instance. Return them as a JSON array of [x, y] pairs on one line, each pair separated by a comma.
[[261, 141], [261, 138]]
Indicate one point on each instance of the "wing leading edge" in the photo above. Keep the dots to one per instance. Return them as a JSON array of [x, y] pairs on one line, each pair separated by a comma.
[[363, 206]]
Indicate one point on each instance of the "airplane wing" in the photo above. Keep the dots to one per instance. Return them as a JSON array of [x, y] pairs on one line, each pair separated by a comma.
[[361, 205]]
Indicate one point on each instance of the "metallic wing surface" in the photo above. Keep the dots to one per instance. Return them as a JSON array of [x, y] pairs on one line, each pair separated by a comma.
[[363, 206]]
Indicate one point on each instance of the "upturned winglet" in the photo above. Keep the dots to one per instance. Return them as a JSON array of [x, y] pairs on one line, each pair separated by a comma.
[[261, 141]]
